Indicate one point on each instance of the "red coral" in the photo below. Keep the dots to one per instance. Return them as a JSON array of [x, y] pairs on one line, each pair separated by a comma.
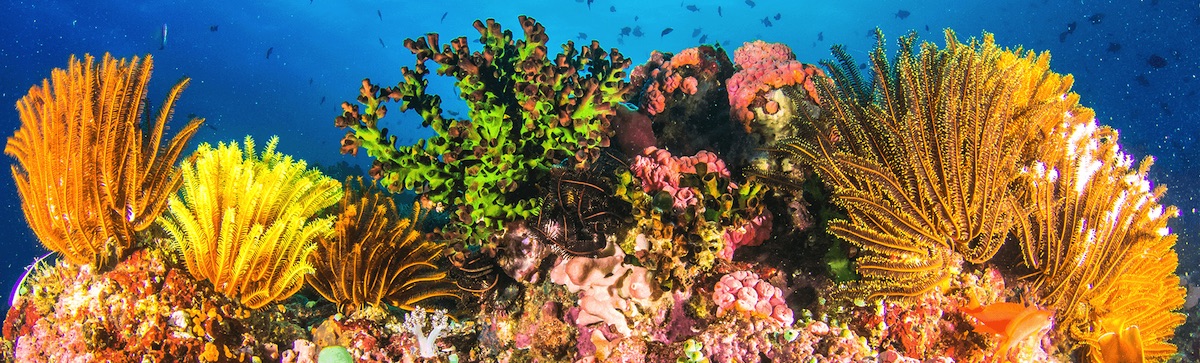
[[766, 66]]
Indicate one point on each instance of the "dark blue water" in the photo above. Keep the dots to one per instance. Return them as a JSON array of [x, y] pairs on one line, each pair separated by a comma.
[[321, 49]]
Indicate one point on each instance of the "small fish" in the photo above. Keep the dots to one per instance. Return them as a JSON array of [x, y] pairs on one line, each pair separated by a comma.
[[666, 31], [703, 38], [1156, 61], [612, 9], [269, 50], [719, 11], [589, 3], [322, 100], [310, 81], [750, 2], [635, 18], [1096, 18], [625, 31], [926, 27], [697, 32], [693, 8], [212, 28], [380, 13], [452, 112], [1114, 47], [1143, 81], [444, 16], [381, 43], [163, 44], [637, 31], [1062, 37], [766, 21], [820, 36], [778, 15], [725, 42], [582, 36], [903, 14], [214, 128]]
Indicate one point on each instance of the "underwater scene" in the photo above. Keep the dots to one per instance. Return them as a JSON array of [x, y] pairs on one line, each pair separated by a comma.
[[600, 181]]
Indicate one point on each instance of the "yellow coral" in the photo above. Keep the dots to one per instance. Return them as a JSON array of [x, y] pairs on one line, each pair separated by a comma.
[[89, 172], [376, 257], [924, 159], [247, 223]]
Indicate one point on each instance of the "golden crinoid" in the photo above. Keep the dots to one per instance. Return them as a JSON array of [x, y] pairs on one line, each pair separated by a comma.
[[376, 257], [247, 223], [1098, 239], [923, 156], [89, 172]]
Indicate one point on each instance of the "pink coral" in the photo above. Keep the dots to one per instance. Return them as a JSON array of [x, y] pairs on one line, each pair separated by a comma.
[[751, 233], [659, 171], [745, 292], [764, 67]]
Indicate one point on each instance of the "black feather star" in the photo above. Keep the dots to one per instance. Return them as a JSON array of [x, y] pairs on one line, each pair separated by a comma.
[[579, 212]]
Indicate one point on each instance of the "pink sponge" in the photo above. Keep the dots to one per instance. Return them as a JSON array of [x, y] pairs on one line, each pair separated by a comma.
[[745, 292]]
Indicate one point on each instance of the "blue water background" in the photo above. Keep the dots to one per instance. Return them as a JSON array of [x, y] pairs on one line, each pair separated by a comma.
[[323, 49]]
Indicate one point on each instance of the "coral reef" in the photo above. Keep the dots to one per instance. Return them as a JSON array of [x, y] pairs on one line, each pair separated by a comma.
[[246, 222], [374, 256], [90, 169], [967, 209]]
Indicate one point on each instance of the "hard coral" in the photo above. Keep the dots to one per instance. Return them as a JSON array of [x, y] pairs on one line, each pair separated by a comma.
[[527, 112]]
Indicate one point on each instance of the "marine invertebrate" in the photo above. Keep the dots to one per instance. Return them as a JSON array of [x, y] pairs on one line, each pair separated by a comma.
[[374, 256], [745, 292], [91, 170], [527, 113], [765, 67], [1099, 242], [579, 212], [925, 158], [1014, 323], [608, 288], [246, 222], [415, 321]]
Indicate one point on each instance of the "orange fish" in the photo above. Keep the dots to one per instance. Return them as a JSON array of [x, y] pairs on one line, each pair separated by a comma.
[[1014, 323]]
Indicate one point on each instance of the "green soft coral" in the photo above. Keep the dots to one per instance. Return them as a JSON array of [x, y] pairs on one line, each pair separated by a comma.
[[526, 113]]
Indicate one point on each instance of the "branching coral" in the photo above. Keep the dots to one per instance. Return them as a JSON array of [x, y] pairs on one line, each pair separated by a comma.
[[528, 112], [89, 171], [375, 257], [925, 158], [1099, 240], [246, 222]]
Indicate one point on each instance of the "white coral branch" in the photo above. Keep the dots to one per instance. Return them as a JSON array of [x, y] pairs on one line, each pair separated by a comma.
[[414, 322]]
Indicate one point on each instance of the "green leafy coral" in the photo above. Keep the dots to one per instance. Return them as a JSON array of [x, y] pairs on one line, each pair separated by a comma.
[[527, 113]]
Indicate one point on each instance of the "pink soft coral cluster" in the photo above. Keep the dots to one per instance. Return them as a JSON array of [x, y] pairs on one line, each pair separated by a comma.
[[765, 66], [745, 292], [659, 171], [665, 74], [751, 233]]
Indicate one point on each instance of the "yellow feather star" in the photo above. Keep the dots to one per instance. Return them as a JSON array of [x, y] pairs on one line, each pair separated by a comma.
[[247, 223]]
